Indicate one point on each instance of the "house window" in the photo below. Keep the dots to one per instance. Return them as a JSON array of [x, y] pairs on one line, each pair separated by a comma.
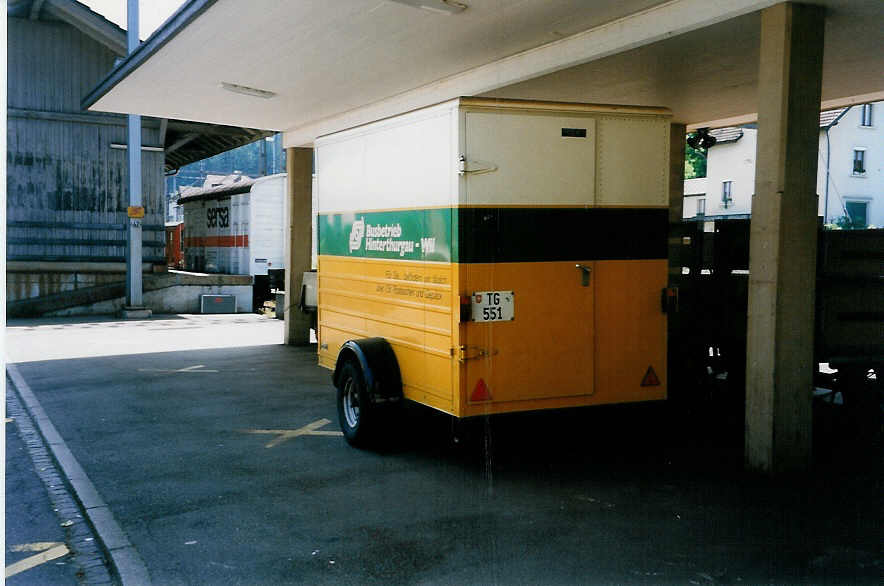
[[866, 115], [727, 191], [859, 161], [858, 212], [701, 206]]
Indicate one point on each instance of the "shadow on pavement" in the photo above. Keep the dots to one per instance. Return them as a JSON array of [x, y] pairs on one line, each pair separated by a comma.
[[180, 445]]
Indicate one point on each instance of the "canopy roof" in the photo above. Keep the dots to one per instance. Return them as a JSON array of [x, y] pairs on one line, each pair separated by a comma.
[[312, 67], [184, 142]]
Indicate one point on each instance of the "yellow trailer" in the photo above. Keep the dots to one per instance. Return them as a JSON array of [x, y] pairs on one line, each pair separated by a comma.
[[486, 256]]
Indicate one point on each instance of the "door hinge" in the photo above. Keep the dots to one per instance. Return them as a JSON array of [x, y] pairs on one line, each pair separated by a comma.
[[466, 167], [465, 353]]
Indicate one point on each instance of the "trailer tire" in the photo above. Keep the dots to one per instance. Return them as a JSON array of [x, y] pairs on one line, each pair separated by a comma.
[[355, 411]]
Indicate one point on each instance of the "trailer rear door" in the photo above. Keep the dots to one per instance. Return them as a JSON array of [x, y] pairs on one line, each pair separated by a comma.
[[529, 179]]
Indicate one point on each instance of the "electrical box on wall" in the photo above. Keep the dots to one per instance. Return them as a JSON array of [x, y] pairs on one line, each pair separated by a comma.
[[217, 303]]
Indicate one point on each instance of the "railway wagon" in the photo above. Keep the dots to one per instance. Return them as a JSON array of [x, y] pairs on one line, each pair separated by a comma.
[[235, 228], [174, 245], [485, 256]]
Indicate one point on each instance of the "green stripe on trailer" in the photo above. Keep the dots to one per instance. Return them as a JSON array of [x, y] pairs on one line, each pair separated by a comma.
[[423, 235], [498, 234]]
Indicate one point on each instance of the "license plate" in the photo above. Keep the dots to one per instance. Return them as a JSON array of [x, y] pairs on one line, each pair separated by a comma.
[[492, 306]]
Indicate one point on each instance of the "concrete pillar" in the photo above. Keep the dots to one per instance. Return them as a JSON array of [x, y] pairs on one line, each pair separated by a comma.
[[299, 166], [782, 251], [677, 136], [675, 356]]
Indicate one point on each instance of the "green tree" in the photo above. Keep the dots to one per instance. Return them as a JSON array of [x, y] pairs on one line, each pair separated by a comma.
[[694, 162]]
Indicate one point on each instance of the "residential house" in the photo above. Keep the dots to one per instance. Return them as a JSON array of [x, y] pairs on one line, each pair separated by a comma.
[[850, 172]]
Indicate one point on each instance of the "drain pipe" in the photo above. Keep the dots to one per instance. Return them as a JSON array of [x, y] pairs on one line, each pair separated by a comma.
[[828, 158]]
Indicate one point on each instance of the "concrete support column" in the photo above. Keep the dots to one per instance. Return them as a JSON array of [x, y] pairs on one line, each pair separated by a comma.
[[677, 137], [299, 210], [675, 358], [782, 251]]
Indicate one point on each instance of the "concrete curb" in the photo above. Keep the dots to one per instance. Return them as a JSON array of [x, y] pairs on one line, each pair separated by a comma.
[[127, 564]]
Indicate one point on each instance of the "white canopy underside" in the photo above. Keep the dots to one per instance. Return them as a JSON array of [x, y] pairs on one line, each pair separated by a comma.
[[334, 65]]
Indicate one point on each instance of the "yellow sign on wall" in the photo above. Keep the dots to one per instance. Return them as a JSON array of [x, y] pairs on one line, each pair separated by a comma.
[[135, 211]]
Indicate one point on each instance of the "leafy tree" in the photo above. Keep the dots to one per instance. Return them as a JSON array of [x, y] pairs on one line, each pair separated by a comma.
[[694, 162]]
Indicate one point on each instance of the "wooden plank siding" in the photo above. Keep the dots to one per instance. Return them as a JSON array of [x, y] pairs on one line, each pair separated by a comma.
[[52, 65], [67, 189]]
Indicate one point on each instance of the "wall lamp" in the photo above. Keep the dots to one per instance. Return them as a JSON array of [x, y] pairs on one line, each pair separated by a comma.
[[246, 90], [442, 6], [701, 139]]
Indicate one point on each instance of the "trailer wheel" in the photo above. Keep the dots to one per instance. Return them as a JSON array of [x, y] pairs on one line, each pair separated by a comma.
[[355, 411]]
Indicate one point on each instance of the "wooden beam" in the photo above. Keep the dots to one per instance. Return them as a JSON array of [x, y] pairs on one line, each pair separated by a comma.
[[204, 128], [181, 142], [80, 117], [164, 127]]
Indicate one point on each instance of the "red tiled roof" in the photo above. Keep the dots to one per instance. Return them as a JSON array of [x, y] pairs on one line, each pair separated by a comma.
[[734, 133]]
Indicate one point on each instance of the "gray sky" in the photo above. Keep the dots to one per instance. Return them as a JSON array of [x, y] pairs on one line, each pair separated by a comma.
[[152, 13]]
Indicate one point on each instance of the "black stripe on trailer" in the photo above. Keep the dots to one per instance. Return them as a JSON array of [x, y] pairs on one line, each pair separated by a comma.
[[488, 235]]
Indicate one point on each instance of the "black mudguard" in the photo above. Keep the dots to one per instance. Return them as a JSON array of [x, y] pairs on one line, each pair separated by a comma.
[[379, 366]]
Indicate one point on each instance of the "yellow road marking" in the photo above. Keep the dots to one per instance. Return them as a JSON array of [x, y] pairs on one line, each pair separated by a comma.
[[284, 434], [55, 551], [195, 368]]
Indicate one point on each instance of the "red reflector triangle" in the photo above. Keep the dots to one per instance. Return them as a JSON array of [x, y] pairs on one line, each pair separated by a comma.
[[651, 379], [481, 392]]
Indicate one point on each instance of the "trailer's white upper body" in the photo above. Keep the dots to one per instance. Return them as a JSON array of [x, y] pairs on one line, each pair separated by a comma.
[[423, 158]]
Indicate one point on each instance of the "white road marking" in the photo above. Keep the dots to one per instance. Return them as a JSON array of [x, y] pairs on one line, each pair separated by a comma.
[[194, 368], [53, 551], [284, 434], [38, 546]]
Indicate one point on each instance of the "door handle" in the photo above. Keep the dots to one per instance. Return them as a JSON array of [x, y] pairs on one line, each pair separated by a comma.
[[586, 272]]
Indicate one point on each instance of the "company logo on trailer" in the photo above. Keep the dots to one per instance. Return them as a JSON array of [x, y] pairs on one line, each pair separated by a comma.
[[357, 233]]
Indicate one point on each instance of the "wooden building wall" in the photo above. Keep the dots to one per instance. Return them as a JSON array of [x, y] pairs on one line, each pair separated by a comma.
[[67, 189]]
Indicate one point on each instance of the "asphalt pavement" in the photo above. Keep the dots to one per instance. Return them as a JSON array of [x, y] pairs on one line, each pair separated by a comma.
[[215, 448], [31, 523], [48, 540]]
